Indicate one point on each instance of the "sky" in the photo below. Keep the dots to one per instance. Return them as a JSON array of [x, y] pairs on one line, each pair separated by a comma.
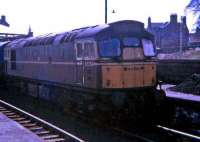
[[53, 16]]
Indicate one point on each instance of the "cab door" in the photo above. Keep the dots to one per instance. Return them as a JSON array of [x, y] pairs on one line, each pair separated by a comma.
[[85, 54]]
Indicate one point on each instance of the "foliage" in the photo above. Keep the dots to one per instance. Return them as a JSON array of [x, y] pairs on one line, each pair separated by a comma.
[[194, 6]]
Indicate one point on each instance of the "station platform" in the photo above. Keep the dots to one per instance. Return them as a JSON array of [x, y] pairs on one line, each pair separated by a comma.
[[179, 95], [11, 131]]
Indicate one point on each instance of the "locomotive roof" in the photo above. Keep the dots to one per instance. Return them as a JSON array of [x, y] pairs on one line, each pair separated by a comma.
[[98, 32]]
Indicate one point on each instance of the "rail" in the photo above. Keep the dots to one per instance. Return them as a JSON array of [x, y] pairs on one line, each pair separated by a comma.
[[178, 133]]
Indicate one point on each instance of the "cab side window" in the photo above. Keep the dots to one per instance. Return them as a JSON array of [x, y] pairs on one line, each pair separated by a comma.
[[149, 50], [89, 51]]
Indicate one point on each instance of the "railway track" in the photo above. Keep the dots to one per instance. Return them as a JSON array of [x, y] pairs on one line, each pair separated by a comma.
[[51, 133], [162, 133], [48, 132]]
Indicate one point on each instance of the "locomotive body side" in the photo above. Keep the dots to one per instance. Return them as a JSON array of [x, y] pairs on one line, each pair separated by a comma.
[[43, 62]]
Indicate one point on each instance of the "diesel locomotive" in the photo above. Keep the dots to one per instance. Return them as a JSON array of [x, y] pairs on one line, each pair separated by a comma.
[[102, 70]]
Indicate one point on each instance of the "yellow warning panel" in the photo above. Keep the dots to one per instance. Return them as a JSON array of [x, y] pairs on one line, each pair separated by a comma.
[[149, 74], [139, 75], [129, 76], [112, 76]]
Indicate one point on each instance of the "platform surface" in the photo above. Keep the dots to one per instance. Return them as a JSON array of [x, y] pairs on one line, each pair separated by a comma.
[[11, 131], [180, 95]]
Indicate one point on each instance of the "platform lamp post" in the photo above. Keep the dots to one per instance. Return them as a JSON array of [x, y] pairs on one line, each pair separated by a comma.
[[106, 11]]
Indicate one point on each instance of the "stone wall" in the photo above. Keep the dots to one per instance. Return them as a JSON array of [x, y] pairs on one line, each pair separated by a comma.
[[176, 71]]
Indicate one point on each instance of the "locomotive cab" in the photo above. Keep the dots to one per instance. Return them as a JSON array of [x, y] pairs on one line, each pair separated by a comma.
[[118, 57], [135, 68], [116, 63]]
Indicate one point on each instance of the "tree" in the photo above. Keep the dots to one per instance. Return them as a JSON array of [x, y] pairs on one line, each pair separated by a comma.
[[194, 8], [194, 4]]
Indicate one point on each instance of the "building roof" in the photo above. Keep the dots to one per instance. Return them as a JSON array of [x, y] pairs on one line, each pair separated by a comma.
[[156, 25], [159, 25]]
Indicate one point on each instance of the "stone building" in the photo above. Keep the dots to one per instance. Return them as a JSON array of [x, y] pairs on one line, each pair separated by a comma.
[[170, 36], [194, 39]]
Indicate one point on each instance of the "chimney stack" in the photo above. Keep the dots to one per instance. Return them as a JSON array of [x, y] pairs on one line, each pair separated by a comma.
[[149, 22], [173, 18], [183, 19], [30, 33], [3, 21], [3, 18]]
